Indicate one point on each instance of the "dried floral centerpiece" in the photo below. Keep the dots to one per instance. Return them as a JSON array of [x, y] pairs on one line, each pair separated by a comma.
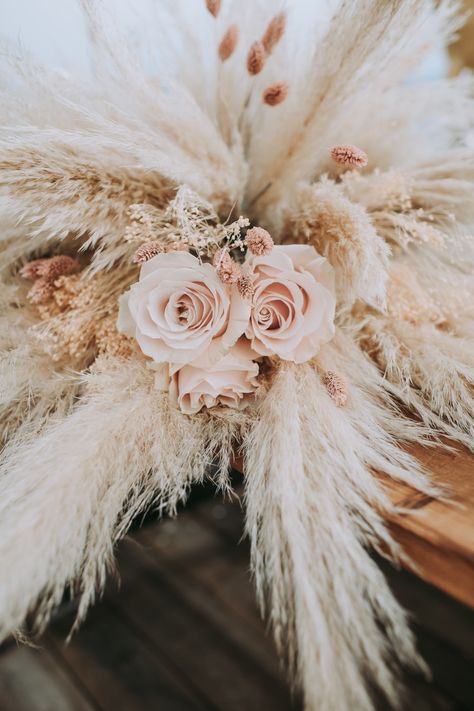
[[266, 251]]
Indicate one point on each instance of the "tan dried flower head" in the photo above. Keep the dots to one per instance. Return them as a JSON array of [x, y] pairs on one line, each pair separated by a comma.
[[349, 155], [230, 274], [259, 241], [246, 287], [228, 43], [274, 32], [213, 6], [275, 93], [222, 259], [147, 251], [336, 386], [46, 272], [32, 270], [256, 58]]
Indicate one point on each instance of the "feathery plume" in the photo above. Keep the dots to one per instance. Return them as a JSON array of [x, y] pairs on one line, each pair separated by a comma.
[[275, 93], [228, 43], [349, 155], [256, 58], [274, 32]]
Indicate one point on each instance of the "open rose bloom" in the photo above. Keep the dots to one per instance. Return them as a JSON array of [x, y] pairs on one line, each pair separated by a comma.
[[183, 314]]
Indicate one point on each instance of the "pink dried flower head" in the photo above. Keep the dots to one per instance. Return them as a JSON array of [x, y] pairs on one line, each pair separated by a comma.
[[274, 32], [62, 265], [41, 291], [336, 386], [147, 251], [222, 259], [256, 58], [246, 287], [230, 274], [32, 270], [50, 268], [213, 6], [349, 155], [275, 93], [259, 241], [228, 43]]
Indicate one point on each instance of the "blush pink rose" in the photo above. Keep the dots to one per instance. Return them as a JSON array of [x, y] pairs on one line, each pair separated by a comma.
[[179, 307], [230, 381], [293, 305]]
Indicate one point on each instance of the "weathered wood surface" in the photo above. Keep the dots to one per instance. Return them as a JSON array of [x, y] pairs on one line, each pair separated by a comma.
[[182, 632], [439, 535]]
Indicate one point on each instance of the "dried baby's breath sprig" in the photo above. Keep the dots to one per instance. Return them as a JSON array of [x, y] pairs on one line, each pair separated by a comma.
[[275, 93], [336, 386], [146, 221], [112, 343], [245, 286], [274, 32], [222, 258], [256, 58], [228, 43], [213, 6], [349, 155], [71, 320], [259, 241]]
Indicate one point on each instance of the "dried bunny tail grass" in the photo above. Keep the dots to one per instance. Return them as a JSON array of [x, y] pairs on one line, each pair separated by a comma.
[[310, 517], [68, 495], [342, 231], [228, 43], [274, 32], [337, 88], [256, 58], [213, 7], [349, 155], [275, 93]]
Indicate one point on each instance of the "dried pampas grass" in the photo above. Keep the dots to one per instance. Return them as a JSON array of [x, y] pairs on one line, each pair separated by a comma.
[[225, 126]]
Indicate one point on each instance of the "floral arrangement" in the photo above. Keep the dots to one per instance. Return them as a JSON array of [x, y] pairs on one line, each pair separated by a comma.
[[207, 325], [261, 246]]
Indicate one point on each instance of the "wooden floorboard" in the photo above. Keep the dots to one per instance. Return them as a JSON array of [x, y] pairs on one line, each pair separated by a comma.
[[182, 631]]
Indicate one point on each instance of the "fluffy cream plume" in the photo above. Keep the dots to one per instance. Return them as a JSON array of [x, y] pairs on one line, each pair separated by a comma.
[[63, 506], [329, 603], [342, 231]]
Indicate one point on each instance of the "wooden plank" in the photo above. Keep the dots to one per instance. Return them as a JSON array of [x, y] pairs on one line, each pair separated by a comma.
[[439, 535], [118, 668], [214, 661], [31, 680], [218, 587]]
